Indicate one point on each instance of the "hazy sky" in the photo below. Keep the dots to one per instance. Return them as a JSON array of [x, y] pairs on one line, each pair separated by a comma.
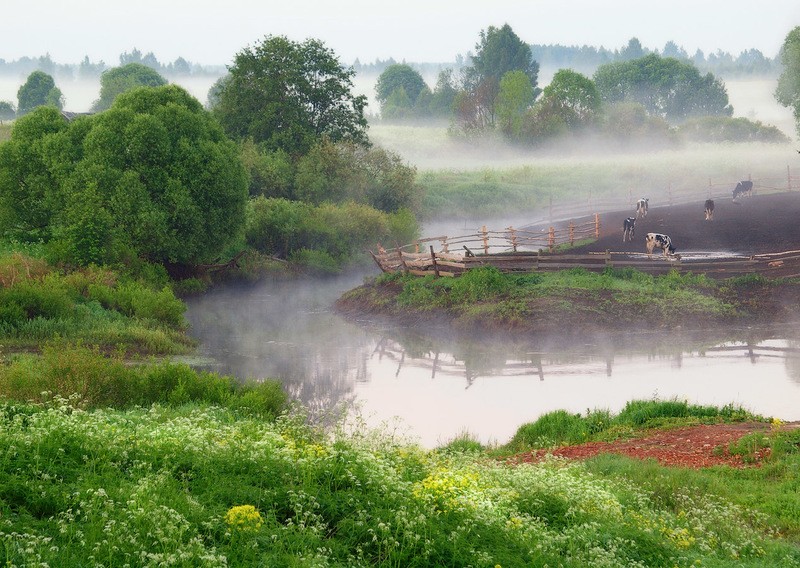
[[212, 31]]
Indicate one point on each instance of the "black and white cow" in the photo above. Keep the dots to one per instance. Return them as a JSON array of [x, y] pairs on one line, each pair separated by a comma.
[[657, 240], [641, 207], [628, 228], [743, 188], [709, 209]]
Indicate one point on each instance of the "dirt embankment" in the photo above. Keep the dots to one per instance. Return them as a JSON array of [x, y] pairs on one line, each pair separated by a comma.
[[750, 225]]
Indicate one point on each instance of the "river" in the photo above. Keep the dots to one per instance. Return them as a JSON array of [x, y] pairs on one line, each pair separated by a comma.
[[431, 388]]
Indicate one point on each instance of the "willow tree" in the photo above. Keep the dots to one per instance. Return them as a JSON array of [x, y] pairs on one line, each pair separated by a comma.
[[154, 177]]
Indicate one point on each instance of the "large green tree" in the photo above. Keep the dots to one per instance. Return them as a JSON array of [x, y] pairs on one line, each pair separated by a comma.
[[121, 79], [38, 90], [574, 98], [671, 89], [498, 52], [287, 96], [788, 91], [154, 176]]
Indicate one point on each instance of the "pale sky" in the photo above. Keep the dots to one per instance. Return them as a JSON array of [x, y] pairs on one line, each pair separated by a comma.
[[211, 32]]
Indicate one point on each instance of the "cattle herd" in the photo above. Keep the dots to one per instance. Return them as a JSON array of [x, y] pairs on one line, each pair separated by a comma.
[[664, 242]]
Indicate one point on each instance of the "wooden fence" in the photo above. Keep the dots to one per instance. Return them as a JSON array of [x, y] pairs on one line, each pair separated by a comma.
[[455, 256]]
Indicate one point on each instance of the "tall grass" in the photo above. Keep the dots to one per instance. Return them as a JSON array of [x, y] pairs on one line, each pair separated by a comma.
[[94, 380], [94, 305]]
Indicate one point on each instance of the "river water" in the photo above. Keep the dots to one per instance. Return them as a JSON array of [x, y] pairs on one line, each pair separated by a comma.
[[432, 388]]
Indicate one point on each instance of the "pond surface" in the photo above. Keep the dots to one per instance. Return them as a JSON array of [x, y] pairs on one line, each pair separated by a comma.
[[434, 388]]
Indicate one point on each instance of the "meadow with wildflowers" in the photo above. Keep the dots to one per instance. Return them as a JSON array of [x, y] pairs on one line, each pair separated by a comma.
[[203, 485]]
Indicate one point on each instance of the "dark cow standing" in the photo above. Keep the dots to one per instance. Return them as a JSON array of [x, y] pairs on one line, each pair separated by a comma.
[[744, 188], [641, 207], [709, 209], [657, 240], [628, 228]]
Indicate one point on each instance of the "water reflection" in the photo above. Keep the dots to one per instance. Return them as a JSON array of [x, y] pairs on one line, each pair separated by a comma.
[[442, 386]]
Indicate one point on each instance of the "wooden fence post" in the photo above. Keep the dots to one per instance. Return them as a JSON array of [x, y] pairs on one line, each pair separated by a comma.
[[444, 244], [551, 239], [571, 233], [513, 238], [485, 240], [435, 266], [597, 225], [416, 247], [402, 260]]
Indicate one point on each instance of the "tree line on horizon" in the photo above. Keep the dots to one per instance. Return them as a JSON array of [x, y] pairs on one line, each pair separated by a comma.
[[639, 95], [584, 58]]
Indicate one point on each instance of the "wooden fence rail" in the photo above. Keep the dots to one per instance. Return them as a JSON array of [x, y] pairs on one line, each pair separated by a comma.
[[783, 264]]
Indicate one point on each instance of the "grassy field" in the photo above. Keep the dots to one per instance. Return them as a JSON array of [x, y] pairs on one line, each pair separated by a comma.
[[488, 178]]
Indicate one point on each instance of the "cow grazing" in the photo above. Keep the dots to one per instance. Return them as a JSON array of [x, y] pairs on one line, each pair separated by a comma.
[[743, 188], [709, 209], [628, 228], [641, 207], [657, 240]]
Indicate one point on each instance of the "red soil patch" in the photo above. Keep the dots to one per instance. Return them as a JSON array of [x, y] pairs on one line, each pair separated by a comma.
[[693, 447]]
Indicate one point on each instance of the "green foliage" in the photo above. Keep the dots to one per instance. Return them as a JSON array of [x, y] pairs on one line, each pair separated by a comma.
[[96, 381], [114, 82], [552, 429], [347, 172], [499, 51], [399, 76], [252, 102], [38, 90], [284, 228], [573, 98], [92, 305], [515, 97], [727, 129], [271, 173], [788, 90], [153, 177], [560, 427], [666, 87], [7, 112]]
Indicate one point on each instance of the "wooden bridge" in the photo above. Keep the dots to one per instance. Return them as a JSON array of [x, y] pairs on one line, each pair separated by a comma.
[[516, 250]]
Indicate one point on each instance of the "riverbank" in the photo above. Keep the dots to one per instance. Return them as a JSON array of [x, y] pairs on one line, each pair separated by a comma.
[[573, 303]]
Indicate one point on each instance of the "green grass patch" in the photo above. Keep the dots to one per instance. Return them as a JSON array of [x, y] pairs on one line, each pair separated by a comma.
[[560, 427]]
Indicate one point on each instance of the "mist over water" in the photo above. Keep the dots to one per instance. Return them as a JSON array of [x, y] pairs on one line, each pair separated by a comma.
[[431, 386]]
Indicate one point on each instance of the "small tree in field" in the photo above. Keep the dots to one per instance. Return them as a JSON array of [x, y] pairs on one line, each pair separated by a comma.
[[38, 90], [7, 111], [118, 80]]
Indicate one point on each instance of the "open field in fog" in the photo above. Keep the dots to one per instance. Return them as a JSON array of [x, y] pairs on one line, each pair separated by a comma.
[[522, 184]]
